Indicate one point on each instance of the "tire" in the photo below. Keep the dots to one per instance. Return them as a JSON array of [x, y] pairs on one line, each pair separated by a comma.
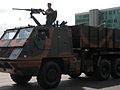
[[115, 72], [103, 70], [21, 80], [49, 76]]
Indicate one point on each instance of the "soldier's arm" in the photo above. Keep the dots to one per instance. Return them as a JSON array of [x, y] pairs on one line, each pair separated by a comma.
[[43, 12]]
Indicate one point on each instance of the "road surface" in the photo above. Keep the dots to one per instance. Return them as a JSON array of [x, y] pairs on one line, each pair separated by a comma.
[[82, 83]]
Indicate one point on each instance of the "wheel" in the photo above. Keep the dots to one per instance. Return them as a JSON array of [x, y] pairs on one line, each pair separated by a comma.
[[103, 70], [115, 72], [74, 75], [49, 76], [18, 79]]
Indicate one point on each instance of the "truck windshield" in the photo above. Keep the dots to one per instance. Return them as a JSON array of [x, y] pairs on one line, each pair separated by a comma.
[[9, 34], [24, 33]]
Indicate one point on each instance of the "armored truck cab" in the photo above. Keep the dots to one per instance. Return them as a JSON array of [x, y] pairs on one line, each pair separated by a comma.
[[24, 52]]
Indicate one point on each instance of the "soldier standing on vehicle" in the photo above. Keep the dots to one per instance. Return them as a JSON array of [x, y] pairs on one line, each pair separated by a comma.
[[51, 14]]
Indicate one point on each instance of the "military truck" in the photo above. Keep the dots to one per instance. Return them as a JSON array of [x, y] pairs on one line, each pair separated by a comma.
[[47, 52]]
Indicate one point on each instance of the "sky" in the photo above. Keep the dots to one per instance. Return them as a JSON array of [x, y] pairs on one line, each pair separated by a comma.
[[66, 10]]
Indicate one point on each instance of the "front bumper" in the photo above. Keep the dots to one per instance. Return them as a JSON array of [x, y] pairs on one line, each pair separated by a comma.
[[21, 67], [7, 67]]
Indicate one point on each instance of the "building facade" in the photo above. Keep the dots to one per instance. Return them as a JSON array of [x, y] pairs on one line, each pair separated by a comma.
[[109, 18]]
